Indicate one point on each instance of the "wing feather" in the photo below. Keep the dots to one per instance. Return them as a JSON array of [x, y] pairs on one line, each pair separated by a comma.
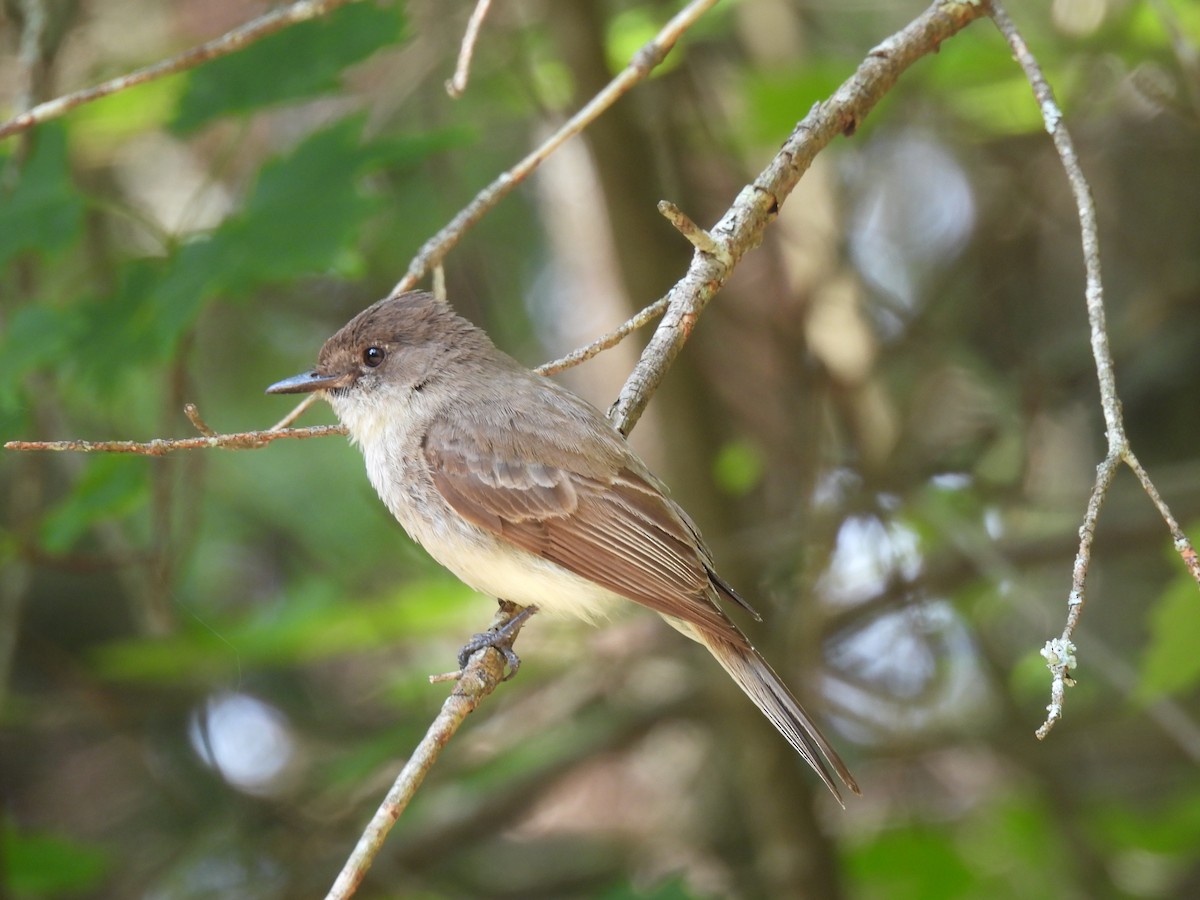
[[614, 528]]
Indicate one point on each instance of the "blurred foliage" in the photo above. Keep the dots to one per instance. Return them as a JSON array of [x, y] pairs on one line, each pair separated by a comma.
[[49, 866], [211, 664], [326, 47]]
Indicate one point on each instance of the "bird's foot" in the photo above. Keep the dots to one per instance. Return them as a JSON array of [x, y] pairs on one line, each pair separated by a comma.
[[500, 639]]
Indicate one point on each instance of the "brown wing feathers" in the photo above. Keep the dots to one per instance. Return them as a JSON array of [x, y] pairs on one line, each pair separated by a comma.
[[620, 533]]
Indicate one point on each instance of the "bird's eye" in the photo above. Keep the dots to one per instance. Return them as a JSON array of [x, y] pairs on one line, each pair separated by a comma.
[[372, 356]]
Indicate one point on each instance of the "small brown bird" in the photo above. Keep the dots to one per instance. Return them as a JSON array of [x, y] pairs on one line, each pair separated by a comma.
[[527, 492]]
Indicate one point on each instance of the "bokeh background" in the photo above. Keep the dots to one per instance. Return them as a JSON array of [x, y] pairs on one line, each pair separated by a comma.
[[212, 664]]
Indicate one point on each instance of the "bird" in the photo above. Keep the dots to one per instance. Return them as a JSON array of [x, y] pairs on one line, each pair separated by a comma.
[[527, 493]]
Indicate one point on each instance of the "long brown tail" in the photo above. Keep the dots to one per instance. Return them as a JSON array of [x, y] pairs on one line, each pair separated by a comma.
[[762, 685]]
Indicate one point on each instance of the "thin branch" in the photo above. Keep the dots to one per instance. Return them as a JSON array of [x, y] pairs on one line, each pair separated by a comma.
[[193, 413], [232, 41], [456, 85], [693, 233], [1183, 546], [245, 440], [741, 228], [1060, 652], [602, 343], [295, 414]]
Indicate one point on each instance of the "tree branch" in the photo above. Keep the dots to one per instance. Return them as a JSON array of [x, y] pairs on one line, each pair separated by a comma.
[[245, 440], [1060, 652], [741, 228], [483, 673]]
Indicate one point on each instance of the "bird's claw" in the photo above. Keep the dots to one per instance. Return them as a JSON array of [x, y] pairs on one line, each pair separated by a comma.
[[499, 639]]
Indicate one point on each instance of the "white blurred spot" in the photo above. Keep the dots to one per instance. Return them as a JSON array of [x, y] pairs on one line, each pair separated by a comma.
[[915, 212], [1078, 18], [951, 481], [244, 739], [869, 554]]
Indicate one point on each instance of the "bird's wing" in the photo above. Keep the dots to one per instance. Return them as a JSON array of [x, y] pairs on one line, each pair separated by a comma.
[[605, 522]]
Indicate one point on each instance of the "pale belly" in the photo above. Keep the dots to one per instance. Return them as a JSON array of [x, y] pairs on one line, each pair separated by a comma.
[[527, 580]]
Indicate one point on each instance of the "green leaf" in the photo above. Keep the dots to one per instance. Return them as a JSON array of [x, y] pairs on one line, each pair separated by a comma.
[[36, 337], [917, 862], [778, 100], [738, 468], [672, 889], [1171, 828], [46, 865], [304, 209], [301, 61], [121, 328], [111, 487], [1171, 663], [43, 212], [100, 128], [302, 217], [316, 624]]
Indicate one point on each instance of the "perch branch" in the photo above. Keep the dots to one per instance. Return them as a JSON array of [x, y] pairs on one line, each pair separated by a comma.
[[484, 671], [245, 440], [1060, 652]]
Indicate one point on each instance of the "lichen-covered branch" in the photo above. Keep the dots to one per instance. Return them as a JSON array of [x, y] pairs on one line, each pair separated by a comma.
[[1060, 653]]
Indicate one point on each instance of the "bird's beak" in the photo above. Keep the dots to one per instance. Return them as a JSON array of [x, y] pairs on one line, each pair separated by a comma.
[[307, 382]]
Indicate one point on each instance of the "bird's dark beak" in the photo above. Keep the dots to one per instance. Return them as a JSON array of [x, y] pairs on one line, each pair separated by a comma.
[[307, 382]]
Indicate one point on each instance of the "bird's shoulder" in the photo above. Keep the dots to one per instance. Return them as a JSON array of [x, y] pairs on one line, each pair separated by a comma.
[[526, 421]]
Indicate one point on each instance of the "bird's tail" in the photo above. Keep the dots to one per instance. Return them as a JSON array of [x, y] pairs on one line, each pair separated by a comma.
[[763, 686]]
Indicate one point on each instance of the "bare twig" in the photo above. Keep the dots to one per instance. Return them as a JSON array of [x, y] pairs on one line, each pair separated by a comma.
[[602, 343], [695, 235], [232, 41], [439, 283], [295, 414], [456, 85], [1183, 546], [245, 440], [190, 410], [1060, 652]]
